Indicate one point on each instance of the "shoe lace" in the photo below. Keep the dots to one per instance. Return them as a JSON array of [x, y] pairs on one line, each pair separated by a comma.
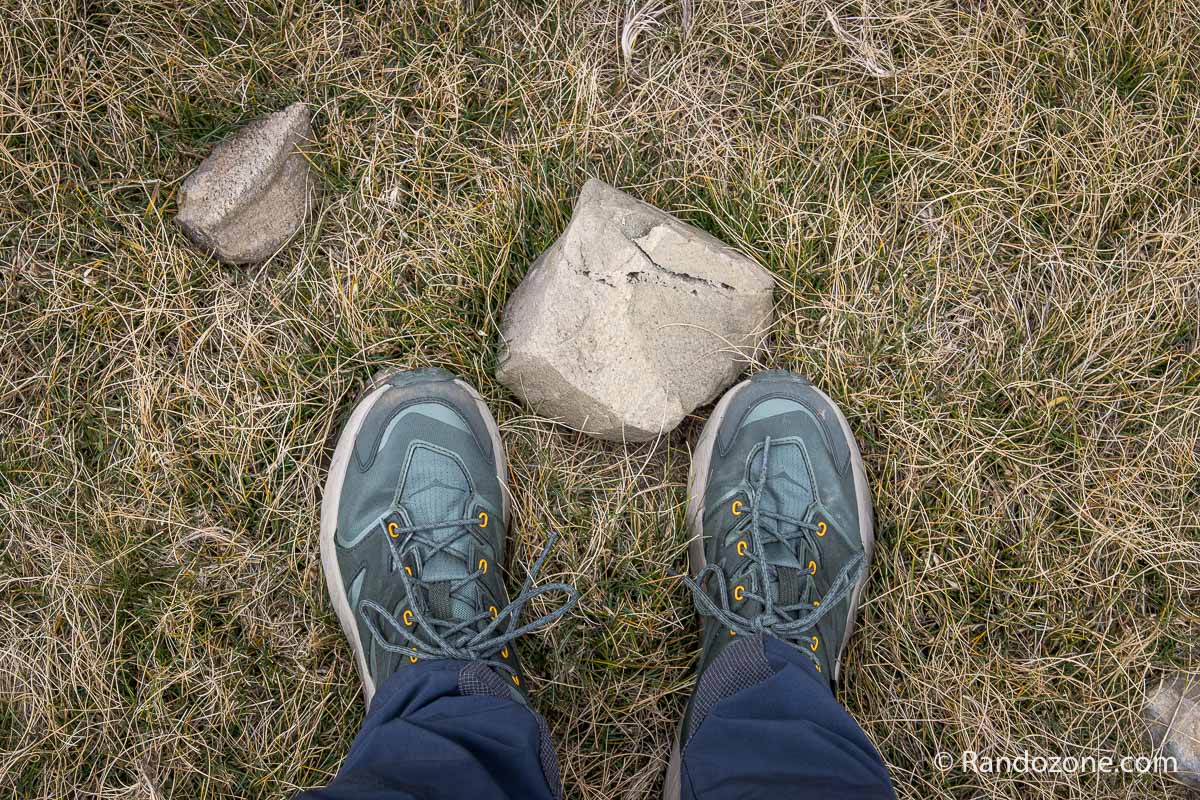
[[464, 639], [788, 622]]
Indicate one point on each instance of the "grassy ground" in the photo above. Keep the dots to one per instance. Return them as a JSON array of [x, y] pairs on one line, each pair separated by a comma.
[[983, 218]]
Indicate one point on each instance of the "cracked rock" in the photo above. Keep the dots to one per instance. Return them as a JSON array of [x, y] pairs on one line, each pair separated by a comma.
[[253, 191], [631, 320], [1173, 716]]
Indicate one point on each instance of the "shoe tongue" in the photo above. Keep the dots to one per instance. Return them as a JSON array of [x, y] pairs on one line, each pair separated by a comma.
[[436, 489], [437, 597], [785, 491], [790, 584]]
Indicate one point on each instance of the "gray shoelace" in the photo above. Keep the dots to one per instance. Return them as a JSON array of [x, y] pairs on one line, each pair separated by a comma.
[[462, 640], [789, 622]]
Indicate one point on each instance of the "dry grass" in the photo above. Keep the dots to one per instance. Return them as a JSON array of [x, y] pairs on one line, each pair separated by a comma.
[[984, 218]]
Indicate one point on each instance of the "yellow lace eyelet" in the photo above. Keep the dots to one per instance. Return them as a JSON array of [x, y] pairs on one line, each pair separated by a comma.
[[493, 611], [741, 547], [815, 643], [739, 592], [393, 530], [736, 508], [483, 565], [408, 617], [413, 659], [812, 568], [816, 603], [483, 519], [818, 666], [732, 632], [504, 653], [408, 569], [516, 680], [822, 528]]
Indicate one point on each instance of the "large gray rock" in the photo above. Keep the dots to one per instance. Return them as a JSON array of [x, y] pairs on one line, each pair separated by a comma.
[[253, 192], [1173, 715], [631, 319]]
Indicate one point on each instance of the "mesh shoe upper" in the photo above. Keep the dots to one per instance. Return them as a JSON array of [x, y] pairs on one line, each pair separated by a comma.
[[781, 523], [421, 528]]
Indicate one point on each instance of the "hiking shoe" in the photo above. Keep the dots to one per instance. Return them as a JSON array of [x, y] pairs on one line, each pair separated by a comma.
[[413, 526], [780, 517]]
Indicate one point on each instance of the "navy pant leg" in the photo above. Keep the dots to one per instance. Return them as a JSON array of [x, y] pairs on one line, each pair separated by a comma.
[[446, 730], [764, 725]]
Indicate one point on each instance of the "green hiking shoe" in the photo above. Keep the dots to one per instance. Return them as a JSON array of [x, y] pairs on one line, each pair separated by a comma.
[[413, 526], [780, 517]]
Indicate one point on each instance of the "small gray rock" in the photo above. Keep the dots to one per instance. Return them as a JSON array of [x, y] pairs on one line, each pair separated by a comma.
[[1173, 715], [631, 319], [253, 191]]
